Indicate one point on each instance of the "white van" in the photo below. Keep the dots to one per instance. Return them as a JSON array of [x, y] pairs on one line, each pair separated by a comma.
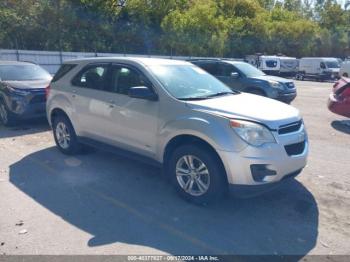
[[274, 65], [345, 69], [288, 65], [318, 68], [268, 64]]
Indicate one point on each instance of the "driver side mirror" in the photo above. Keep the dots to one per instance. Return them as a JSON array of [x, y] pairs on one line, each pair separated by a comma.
[[234, 75], [142, 92]]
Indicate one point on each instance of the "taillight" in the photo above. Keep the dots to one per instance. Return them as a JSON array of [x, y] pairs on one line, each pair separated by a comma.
[[346, 92], [47, 91]]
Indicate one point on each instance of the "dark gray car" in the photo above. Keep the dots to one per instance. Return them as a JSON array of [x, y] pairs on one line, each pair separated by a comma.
[[245, 77], [22, 91]]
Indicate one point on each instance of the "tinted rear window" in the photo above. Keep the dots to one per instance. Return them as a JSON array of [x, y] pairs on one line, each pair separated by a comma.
[[211, 68], [64, 69]]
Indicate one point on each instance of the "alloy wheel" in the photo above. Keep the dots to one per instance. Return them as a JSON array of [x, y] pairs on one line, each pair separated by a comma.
[[192, 175], [62, 135]]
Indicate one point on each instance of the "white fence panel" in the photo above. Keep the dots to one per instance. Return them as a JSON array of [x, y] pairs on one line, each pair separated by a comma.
[[51, 60]]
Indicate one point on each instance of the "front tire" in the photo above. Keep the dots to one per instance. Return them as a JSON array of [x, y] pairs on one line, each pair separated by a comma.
[[197, 174], [6, 117], [65, 136], [300, 77]]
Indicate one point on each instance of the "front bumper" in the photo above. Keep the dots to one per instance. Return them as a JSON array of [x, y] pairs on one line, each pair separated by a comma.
[[250, 191], [286, 97], [329, 76], [278, 159], [27, 107], [33, 111]]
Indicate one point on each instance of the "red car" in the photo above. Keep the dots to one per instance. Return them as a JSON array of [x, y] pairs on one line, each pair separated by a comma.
[[339, 99]]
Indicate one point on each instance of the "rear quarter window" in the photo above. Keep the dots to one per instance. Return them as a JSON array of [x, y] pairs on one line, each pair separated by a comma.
[[64, 69]]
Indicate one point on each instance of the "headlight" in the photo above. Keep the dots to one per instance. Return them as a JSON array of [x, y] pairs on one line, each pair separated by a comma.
[[17, 91], [276, 84], [252, 133]]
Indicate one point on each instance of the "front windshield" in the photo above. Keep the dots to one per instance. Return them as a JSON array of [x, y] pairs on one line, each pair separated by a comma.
[[332, 64], [188, 81], [249, 70], [23, 73]]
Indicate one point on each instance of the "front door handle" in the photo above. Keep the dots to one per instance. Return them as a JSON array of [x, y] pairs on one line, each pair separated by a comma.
[[111, 104]]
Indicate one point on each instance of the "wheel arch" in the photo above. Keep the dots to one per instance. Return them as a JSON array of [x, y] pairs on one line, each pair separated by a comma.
[[58, 112], [184, 139]]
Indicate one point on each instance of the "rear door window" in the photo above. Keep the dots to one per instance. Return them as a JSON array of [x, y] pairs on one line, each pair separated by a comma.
[[92, 77], [226, 69], [211, 67]]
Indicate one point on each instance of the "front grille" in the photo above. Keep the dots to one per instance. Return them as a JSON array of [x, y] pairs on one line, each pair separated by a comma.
[[295, 149], [40, 98], [289, 128]]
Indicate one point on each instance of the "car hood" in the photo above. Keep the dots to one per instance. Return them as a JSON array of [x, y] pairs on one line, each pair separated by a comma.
[[34, 84], [272, 78], [249, 107]]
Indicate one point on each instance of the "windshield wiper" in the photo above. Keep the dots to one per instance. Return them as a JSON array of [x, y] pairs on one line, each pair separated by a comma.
[[210, 96], [223, 94], [193, 98]]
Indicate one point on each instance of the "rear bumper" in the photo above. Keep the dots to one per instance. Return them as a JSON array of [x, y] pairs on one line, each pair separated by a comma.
[[338, 107]]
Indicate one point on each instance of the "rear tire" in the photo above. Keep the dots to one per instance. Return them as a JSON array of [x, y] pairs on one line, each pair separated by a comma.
[[65, 136], [197, 174], [6, 117], [345, 75]]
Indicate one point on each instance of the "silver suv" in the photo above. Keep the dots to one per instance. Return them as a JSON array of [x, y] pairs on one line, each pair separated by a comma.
[[207, 137]]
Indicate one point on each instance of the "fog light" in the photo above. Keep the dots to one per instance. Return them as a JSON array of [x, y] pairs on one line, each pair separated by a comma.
[[260, 171]]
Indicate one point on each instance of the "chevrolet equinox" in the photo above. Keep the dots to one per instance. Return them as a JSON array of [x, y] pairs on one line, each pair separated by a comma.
[[207, 137]]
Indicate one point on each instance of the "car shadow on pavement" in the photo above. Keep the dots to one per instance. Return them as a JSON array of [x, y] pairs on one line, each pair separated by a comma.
[[118, 200], [26, 127], [341, 125]]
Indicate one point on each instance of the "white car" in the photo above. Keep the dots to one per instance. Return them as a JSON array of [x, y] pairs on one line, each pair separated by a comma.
[[172, 113]]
